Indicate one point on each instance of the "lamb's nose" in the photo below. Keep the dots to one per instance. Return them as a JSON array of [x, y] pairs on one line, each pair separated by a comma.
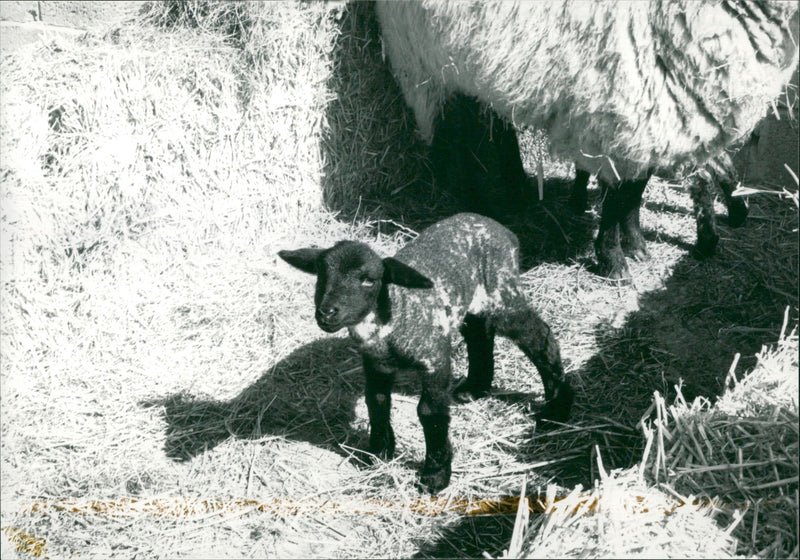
[[327, 312]]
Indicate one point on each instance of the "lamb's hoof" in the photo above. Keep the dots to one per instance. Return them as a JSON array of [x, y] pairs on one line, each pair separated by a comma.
[[737, 212], [434, 481], [381, 450], [706, 245], [464, 392], [557, 409]]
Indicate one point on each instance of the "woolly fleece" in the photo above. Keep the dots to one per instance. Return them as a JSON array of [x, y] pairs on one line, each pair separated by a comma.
[[620, 86]]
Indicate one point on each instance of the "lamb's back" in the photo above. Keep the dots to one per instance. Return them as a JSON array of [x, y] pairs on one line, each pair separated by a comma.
[[463, 246], [469, 258]]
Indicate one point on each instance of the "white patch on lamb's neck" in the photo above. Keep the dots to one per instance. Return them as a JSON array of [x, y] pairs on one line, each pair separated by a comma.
[[480, 301], [483, 301], [369, 331]]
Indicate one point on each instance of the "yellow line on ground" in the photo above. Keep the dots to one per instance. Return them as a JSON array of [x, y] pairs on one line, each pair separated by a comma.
[[180, 507], [23, 542]]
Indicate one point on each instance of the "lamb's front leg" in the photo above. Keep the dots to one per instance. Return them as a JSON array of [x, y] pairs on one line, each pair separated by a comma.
[[434, 415], [379, 381]]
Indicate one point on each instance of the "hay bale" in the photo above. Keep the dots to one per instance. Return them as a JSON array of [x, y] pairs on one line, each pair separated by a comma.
[[624, 517], [203, 134], [743, 448], [715, 480], [373, 162]]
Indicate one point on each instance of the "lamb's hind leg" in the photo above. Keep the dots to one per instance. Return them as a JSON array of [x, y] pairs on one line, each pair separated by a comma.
[[519, 322], [479, 336]]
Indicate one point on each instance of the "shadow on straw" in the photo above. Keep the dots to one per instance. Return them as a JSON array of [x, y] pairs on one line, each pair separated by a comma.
[[308, 396]]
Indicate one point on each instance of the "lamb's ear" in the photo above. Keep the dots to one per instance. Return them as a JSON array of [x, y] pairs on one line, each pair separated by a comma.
[[395, 272], [304, 259]]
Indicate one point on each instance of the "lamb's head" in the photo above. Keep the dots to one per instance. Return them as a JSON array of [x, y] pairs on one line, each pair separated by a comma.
[[351, 281]]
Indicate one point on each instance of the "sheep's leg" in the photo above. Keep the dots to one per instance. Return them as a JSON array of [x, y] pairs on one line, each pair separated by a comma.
[[475, 153], [456, 152], [610, 258], [620, 214], [379, 381], [699, 186], [633, 243], [579, 198], [724, 174], [512, 172], [519, 322], [434, 415], [479, 336], [737, 205]]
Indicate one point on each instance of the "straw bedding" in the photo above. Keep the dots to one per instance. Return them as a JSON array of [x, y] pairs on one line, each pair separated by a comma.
[[165, 392]]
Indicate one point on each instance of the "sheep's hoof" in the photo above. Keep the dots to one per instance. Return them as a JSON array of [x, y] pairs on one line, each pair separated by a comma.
[[737, 212], [383, 449], [706, 245], [615, 270], [434, 481], [636, 248], [611, 261], [464, 392], [384, 455]]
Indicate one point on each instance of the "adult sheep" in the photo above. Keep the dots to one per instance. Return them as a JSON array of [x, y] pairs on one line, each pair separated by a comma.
[[621, 87]]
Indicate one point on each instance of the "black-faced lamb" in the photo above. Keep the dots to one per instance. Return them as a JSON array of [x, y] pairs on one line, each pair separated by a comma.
[[623, 87], [460, 274], [719, 172]]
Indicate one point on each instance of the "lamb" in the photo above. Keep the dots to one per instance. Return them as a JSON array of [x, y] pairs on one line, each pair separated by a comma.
[[719, 172], [621, 87], [460, 273]]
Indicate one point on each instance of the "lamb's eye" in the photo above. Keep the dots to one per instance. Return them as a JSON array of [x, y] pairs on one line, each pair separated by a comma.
[[367, 282]]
